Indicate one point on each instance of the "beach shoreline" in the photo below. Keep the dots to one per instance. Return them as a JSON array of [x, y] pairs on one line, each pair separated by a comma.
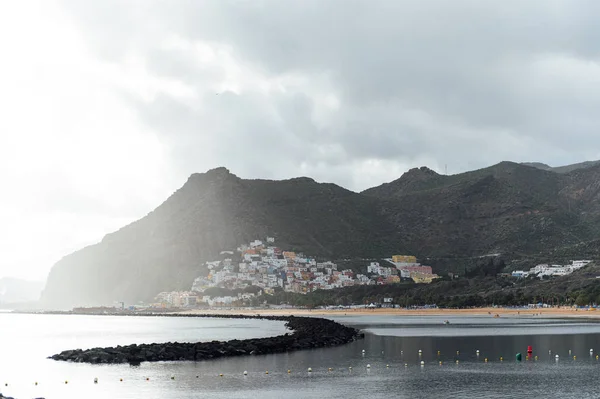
[[565, 312]]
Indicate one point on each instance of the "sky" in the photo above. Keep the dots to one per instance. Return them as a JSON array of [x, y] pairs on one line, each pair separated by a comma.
[[108, 106]]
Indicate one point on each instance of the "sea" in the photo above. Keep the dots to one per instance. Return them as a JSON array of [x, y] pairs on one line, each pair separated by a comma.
[[400, 357]]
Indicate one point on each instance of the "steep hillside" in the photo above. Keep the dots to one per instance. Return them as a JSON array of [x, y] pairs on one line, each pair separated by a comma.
[[448, 222], [507, 208], [212, 212]]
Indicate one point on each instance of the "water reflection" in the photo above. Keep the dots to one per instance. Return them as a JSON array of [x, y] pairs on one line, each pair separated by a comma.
[[472, 377]]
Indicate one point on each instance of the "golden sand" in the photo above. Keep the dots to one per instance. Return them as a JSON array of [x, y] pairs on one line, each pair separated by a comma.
[[491, 312]]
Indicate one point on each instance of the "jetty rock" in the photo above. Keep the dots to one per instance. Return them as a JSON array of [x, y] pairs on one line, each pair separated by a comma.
[[306, 333]]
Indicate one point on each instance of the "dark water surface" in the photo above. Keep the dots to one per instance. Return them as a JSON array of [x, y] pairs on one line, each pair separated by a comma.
[[391, 349]]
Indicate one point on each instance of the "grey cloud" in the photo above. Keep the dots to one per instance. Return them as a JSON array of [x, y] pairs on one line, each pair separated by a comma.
[[470, 69]]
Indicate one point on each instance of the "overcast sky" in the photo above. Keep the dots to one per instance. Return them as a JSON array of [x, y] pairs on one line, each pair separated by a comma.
[[108, 106]]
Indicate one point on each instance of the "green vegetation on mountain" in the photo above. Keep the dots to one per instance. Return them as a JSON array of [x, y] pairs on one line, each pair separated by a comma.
[[449, 222], [481, 287]]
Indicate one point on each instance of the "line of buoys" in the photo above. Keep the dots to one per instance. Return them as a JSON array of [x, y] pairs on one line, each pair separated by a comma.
[[422, 363]]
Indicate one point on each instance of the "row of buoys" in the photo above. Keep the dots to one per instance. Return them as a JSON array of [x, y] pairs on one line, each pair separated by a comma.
[[422, 363], [477, 352]]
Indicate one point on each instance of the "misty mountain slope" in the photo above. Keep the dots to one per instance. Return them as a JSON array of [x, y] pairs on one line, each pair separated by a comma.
[[212, 212], [517, 210]]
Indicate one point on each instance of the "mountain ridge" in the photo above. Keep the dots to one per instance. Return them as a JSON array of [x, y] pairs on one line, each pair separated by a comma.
[[508, 208]]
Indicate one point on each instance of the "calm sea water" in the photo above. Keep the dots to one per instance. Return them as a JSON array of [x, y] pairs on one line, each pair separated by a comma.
[[391, 349]]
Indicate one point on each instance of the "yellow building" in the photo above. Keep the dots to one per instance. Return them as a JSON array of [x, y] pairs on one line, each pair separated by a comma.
[[404, 259], [423, 278], [289, 255]]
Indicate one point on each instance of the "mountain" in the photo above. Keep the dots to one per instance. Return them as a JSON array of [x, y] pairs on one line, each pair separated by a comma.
[[212, 212], [13, 290], [562, 169], [506, 208], [446, 221]]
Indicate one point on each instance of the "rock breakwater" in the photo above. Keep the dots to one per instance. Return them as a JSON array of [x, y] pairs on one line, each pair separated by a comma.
[[306, 333]]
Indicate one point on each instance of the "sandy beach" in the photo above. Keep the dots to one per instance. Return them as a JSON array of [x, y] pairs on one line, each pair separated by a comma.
[[491, 312]]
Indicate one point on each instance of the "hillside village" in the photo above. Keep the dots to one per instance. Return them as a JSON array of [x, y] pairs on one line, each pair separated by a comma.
[[258, 268], [266, 268], [545, 270]]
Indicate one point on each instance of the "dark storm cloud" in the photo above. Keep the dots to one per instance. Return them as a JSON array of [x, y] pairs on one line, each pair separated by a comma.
[[467, 83]]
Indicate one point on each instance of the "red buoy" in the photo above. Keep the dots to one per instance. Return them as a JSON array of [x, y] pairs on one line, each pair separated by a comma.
[[529, 350]]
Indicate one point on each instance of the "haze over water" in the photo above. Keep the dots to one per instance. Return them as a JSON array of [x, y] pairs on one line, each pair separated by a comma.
[[390, 340]]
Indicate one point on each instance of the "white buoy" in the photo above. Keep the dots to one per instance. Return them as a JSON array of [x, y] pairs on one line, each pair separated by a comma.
[[477, 351], [549, 352], [422, 363], [363, 351], [245, 372], [591, 351], [556, 357], [368, 366], [569, 352], [310, 369], [96, 380]]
